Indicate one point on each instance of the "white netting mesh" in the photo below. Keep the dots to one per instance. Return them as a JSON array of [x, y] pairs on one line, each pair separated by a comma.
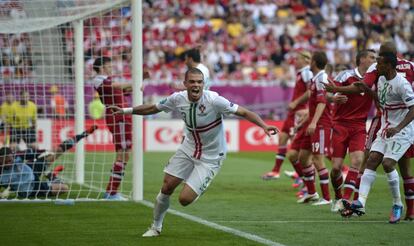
[[37, 61]]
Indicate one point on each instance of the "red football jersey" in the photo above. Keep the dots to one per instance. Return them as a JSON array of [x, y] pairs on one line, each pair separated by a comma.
[[110, 95], [318, 95], [357, 107], [303, 77]]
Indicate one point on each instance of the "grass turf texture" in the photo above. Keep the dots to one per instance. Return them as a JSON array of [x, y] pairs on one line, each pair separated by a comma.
[[237, 198]]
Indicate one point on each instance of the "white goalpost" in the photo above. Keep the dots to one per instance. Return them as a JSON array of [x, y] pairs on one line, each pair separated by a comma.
[[47, 97]]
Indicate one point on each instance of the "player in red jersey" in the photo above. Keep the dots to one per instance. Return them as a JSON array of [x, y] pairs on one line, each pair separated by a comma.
[[349, 129], [112, 93], [405, 68], [318, 130], [296, 108]]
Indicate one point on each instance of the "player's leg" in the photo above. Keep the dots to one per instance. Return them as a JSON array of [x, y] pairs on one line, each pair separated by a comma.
[[122, 138], [356, 158], [394, 185], [375, 158], [293, 156], [68, 144], [308, 176], [179, 168], [57, 187], [321, 148], [356, 148], [397, 146], [284, 136], [198, 181], [323, 173], [340, 143], [405, 170], [371, 136]]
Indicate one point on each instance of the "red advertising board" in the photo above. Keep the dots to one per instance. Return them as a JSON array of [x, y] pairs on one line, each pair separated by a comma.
[[252, 137]]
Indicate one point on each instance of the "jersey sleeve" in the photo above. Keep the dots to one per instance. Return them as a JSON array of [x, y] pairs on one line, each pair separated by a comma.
[[407, 94], [371, 76], [306, 76], [320, 88], [168, 104], [224, 106]]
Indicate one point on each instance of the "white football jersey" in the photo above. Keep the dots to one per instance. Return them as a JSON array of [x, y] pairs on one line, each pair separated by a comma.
[[204, 132], [206, 75], [395, 97]]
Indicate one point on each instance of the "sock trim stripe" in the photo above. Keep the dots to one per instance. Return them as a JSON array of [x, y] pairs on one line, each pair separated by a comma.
[[117, 176], [323, 171], [324, 181], [409, 181], [349, 186]]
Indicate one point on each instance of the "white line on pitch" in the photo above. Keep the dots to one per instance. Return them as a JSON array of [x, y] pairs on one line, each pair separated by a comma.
[[213, 225], [298, 221], [216, 226]]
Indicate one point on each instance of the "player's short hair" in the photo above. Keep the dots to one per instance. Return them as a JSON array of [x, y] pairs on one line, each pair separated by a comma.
[[305, 54], [388, 46], [99, 62], [193, 70], [4, 151], [320, 59], [389, 58], [361, 54], [193, 54]]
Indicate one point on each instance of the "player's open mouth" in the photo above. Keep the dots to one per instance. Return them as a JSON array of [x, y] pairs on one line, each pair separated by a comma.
[[195, 91]]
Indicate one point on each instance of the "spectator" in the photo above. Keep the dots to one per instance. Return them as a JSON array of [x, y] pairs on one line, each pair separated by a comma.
[[7, 114], [58, 103], [24, 124]]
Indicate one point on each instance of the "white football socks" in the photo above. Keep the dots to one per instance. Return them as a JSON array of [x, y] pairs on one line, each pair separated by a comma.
[[160, 209], [394, 184], [367, 180]]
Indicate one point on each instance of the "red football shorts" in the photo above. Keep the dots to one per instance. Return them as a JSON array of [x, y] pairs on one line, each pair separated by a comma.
[[121, 130], [289, 124], [348, 136], [319, 142]]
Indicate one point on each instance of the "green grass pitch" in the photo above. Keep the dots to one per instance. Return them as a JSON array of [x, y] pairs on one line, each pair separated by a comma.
[[237, 198]]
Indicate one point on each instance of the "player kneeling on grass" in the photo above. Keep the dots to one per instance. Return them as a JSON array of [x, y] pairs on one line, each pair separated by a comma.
[[396, 98], [199, 157], [24, 172]]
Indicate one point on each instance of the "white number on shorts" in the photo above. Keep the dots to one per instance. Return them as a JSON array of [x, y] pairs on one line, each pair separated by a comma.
[[396, 147], [315, 147]]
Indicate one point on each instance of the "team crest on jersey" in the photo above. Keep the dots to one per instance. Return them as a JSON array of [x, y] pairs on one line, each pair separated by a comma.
[[202, 108]]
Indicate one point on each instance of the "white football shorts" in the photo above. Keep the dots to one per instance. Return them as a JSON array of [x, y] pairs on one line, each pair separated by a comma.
[[196, 173]]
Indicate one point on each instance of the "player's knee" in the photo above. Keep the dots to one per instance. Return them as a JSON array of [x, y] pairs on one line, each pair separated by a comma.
[[336, 171], [185, 200], [292, 156], [389, 165], [166, 189]]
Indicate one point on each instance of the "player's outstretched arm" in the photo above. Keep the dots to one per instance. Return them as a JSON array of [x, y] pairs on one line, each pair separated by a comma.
[[349, 89], [409, 117], [144, 109], [254, 118]]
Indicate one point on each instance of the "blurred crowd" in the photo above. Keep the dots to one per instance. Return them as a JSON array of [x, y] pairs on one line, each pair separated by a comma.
[[242, 41]]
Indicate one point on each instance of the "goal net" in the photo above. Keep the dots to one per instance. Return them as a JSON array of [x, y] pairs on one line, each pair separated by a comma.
[[38, 99]]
